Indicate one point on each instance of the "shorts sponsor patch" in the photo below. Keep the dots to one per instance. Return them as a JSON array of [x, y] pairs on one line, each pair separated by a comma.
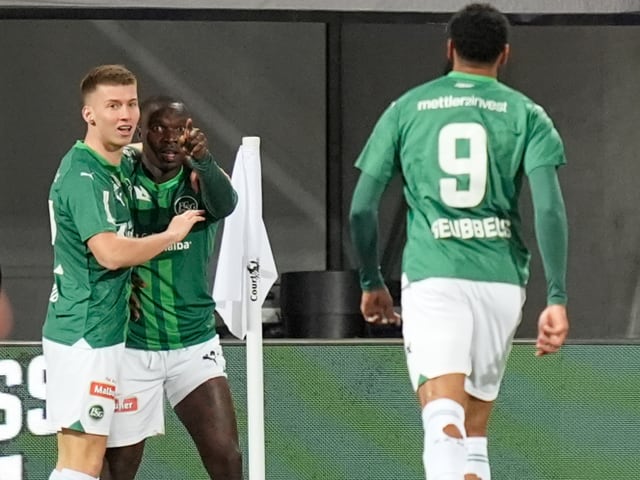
[[127, 404], [105, 390]]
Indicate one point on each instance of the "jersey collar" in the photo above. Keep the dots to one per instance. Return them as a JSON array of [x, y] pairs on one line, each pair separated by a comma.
[[471, 76], [103, 161], [168, 185]]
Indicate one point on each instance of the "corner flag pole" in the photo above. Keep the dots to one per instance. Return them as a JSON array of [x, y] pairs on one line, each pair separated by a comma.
[[255, 374], [245, 273]]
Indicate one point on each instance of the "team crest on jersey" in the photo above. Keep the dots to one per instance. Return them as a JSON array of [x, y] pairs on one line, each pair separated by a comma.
[[185, 203]]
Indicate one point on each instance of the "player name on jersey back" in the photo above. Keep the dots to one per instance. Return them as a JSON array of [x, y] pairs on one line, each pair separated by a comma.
[[469, 228]]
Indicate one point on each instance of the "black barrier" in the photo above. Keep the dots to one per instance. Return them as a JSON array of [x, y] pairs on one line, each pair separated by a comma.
[[321, 304]]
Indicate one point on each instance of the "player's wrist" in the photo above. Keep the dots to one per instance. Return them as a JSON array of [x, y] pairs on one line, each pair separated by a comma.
[[371, 280]]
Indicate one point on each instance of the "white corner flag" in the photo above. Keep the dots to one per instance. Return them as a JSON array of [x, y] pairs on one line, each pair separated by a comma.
[[245, 246], [245, 273]]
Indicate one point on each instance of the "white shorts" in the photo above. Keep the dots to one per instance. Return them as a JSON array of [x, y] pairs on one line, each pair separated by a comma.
[[147, 375], [460, 326], [81, 384]]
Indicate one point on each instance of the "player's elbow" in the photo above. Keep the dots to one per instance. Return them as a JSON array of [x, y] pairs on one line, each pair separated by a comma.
[[228, 207], [109, 262], [105, 247], [550, 213], [360, 214]]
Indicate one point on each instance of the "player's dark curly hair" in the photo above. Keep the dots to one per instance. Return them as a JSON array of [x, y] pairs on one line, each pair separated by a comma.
[[161, 102], [479, 32]]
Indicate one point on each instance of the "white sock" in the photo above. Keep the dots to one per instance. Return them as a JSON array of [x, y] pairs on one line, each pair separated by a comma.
[[68, 474], [477, 457], [444, 456]]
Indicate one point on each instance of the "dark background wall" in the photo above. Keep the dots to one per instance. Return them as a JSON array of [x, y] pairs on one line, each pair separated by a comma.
[[270, 79], [252, 78]]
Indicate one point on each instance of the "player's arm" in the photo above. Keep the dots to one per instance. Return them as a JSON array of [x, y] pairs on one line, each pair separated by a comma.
[[363, 219], [376, 304], [552, 238], [551, 230], [218, 195], [113, 251]]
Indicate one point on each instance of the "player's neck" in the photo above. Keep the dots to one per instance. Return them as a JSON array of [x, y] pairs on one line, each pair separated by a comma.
[[156, 174], [111, 153], [487, 71]]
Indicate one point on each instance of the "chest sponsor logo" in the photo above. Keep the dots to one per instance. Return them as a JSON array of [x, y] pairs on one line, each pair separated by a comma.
[[96, 412], [105, 390], [127, 404], [182, 204], [178, 246]]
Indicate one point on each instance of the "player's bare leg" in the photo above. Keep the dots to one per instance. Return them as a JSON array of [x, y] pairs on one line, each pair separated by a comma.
[[122, 463], [477, 416], [210, 419], [443, 401], [81, 453]]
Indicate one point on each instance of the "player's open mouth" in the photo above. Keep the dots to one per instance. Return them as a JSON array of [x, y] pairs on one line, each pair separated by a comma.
[[169, 155], [125, 129]]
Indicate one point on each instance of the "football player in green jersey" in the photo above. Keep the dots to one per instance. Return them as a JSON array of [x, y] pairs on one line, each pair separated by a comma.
[[462, 144], [84, 331], [173, 347]]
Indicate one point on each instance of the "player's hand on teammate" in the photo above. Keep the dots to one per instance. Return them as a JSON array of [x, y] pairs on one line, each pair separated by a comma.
[[553, 327], [377, 307], [194, 142], [181, 224]]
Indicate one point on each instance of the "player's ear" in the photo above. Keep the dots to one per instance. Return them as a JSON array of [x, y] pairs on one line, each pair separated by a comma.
[[87, 115], [449, 50], [504, 56]]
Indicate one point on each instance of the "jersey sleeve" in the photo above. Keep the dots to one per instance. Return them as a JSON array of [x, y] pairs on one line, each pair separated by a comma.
[[551, 231], [218, 195], [380, 156], [90, 202], [544, 146], [363, 218]]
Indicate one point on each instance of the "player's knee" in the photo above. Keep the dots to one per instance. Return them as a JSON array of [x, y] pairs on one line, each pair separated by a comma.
[[452, 431], [444, 420], [222, 457]]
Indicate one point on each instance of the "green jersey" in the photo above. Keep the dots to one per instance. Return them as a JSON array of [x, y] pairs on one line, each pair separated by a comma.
[[462, 144], [176, 304], [88, 196]]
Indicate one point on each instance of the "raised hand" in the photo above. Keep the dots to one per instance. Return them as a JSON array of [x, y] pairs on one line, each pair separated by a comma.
[[194, 141]]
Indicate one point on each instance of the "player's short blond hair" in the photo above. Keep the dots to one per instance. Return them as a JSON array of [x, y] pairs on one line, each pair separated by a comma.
[[105, 75]]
